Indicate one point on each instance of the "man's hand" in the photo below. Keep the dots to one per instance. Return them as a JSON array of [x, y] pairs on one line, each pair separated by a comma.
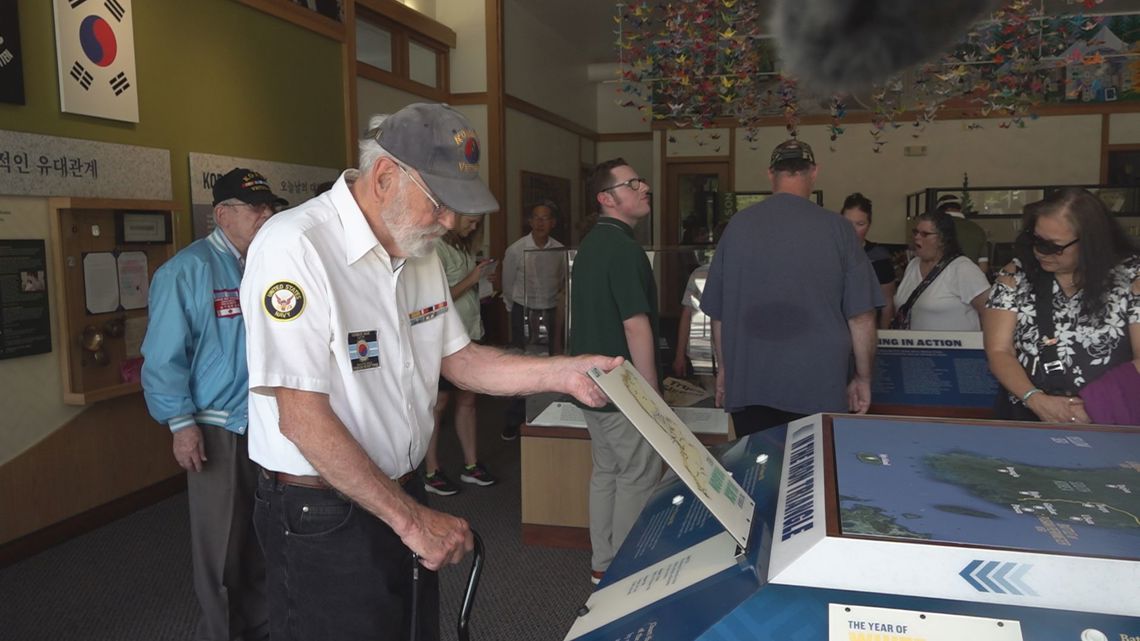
[[720, 387], [859, 395], [680, 366], [439, 539], [189, 449], [578, 383]]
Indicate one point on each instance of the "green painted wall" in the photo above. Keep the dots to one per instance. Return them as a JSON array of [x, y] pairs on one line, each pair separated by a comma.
[[214, 76]]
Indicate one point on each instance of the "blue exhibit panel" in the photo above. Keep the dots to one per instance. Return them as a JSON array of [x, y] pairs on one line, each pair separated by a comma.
[[792, 613], [685, 615], [1034, 489], [665, 528], [932, 376]]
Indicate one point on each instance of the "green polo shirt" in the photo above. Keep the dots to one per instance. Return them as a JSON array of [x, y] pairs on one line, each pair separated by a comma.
[[611, 281]]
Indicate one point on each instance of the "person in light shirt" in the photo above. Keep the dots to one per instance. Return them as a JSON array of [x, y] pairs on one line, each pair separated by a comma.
[[349, 324], [955, 291], [532, 283]]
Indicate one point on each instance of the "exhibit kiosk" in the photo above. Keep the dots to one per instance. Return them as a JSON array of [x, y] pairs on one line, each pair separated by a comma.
[[877, 528]]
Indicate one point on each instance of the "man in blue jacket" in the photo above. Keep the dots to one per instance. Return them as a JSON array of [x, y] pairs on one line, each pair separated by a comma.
[[195, 381]]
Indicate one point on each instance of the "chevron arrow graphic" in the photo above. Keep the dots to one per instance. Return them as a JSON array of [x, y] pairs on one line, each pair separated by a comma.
[[967, 573], [997, 577]]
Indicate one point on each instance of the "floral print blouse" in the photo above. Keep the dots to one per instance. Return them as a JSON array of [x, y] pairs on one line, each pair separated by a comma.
[[1087, 346]]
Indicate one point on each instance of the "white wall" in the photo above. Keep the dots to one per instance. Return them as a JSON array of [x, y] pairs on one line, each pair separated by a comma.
[[1124, 129], [32, 388], [375, 98], [545, 68], [468, 18], [1049, 150], [536, 146], [612, 116]]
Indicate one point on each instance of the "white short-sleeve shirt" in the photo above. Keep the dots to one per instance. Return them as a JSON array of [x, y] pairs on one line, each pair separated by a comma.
[[945, 305], [331, 312]]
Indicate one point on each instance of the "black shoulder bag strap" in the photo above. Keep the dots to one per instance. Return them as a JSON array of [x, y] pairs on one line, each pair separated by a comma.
[[902, 314], [1048, 371]]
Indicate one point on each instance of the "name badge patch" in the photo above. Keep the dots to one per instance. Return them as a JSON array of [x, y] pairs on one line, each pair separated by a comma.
[[427, 313], [284, 301], [363, 350], [227, 303]]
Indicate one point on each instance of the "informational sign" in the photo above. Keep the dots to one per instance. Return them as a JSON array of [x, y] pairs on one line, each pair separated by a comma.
[[100, 282], [36, 165], [848, 622], [134, 282], [95, 49], [679, 447], [25, 321], [935, 369], [295, 183], [11, 55], [1021, 514]]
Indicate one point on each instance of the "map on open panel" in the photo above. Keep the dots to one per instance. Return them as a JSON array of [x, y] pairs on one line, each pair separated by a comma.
[[1075, 492]]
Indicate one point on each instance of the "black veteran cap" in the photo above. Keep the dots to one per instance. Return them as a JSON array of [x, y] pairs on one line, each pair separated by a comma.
[[792, 150], [247, 186], [441, 144]]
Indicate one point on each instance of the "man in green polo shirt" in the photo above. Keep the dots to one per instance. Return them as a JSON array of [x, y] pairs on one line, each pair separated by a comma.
[[613, 311]]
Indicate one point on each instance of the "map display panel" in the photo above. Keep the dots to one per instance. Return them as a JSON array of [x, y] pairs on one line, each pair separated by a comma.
[[1035, 489]]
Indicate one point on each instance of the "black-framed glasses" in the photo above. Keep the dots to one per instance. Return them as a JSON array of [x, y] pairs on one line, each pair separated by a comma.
[[916, 232], [1048, 247], [633, 183]]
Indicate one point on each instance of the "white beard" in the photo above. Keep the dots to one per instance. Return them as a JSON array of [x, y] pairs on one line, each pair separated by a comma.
[[413, 241]]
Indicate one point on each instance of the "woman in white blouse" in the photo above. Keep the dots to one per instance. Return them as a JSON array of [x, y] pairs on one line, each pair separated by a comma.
[[955, 290]]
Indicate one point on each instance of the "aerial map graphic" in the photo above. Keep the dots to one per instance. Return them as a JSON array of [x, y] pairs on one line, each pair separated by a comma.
[[1032, 489]]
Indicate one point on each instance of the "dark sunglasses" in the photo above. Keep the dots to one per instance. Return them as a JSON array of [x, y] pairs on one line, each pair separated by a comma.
[[1046, 247]]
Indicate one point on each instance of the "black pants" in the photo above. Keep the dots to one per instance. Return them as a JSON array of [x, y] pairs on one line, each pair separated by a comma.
[[337, 572], [756, 418]]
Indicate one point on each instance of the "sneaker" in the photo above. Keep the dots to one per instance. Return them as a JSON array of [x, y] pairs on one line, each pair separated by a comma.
[[477, 475], [510, 432], [437, 483], [596, 576]]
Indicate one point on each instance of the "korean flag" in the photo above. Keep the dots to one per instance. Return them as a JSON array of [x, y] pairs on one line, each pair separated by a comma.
[[95, 47]]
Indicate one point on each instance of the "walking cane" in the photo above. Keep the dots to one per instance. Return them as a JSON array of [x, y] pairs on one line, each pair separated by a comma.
[[461, 631]]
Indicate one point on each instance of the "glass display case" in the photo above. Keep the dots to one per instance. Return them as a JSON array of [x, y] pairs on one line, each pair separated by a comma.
[[1009, 202], [680, 276]]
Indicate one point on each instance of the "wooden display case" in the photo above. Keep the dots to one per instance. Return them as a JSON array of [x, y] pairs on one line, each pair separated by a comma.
[[95, 241]]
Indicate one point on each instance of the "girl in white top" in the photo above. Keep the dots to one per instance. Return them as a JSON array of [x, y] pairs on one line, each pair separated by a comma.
[[955, 299], [463, 273]]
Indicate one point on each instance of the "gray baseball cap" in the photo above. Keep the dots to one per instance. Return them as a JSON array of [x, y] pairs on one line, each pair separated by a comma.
[[439, 143]]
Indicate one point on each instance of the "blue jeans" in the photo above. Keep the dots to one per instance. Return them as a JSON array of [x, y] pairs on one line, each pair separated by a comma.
[[335, 571]]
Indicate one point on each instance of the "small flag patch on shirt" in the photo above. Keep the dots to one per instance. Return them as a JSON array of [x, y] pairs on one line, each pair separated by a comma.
[[363, 350], [427, 313]]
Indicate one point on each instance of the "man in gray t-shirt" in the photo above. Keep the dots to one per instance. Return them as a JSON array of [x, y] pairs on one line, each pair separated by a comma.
[[792, 296]]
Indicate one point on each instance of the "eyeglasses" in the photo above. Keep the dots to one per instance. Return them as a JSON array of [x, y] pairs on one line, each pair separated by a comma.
[[437, 207], [261, 209], [633, 183], [923, 234], [1048, 247]]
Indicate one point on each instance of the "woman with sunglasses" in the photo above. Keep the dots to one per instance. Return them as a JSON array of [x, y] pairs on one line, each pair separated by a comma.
[[941, 290], [1072, 250]]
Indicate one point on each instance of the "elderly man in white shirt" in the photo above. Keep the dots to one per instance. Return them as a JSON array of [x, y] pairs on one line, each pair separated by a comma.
[[532, 283], [349, 325]]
